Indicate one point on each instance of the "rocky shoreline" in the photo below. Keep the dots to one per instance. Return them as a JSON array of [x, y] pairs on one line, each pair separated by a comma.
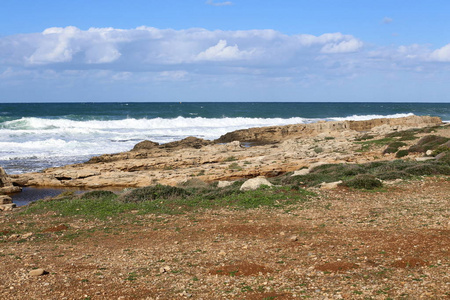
[[288, 241], [275, 150]]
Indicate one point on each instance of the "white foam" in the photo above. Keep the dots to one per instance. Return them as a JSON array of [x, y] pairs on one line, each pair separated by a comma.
[[370, 117], [50, 142]]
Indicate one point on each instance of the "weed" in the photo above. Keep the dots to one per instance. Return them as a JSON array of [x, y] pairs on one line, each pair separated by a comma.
[[235, 166], [230, 158]]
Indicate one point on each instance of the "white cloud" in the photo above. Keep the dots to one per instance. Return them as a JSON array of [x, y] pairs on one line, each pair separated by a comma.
[[221, 52], [190, 54], [211, 2], [441, 54], [351, 45]]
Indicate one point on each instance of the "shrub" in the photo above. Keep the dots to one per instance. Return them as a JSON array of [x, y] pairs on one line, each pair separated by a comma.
[[392, 175], [96, 195], [153, 192], [401, 153], [428, 169], [429, 142], [364, 137], [393, 147], [363, 181]]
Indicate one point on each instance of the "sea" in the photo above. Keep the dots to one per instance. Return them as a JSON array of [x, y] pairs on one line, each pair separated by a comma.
[[35, 136]]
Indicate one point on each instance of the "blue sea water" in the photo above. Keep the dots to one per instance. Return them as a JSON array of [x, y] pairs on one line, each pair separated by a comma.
[[34, 136]]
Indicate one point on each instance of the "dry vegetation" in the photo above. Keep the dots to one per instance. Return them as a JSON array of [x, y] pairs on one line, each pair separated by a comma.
[[389, 243]]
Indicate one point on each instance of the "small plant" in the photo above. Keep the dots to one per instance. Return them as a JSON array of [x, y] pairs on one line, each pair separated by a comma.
[[401, 153], [230, 158], [364, 137], [235, 166], [153, 192], [318, 150], [393, 147], [363, 181]]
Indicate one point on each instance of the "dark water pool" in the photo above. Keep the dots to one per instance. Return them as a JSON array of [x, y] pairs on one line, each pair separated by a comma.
[[30, 194]]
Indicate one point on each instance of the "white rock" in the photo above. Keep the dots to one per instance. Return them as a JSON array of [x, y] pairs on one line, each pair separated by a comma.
[[301, 172], [330, 185], [429, 152], [222, 184], [254, 183], [424, 158], [37, 272]]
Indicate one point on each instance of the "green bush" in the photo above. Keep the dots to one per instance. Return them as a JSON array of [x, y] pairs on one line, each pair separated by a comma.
[[98, 195], [401, 153], [429, 142], [363, 181], [153, 192], [428, 169], [393, 147], [392, 175]]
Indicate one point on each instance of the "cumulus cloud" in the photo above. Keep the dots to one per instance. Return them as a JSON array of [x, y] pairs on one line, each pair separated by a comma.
[[351, 45], [441, 54], [211, 2], [221, 52], [185, 55]]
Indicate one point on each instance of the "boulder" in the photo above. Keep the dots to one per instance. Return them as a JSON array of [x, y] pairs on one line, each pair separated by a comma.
[[5, 199], [6, 186], [7, 207], [222, 184], [254, 183]]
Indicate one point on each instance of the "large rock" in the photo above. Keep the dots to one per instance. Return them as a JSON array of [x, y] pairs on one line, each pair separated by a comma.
[[5, 199], [274, 134], [6, 186], [254, 184]]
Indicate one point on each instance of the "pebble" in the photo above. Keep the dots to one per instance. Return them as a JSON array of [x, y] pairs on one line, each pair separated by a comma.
[[37, 272], [164, 269], [293, 238]]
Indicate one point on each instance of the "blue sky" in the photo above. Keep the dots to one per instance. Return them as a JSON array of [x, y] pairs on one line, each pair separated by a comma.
[[199, 50]]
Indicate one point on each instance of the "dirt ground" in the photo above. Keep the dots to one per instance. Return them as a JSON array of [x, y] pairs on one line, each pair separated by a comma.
[[342, 244]]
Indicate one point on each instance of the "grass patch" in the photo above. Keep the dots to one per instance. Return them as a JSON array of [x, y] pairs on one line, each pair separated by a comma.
[[384, 170], [161, 199]]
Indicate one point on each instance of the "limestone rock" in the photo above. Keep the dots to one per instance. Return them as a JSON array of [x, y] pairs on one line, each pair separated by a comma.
[[301, 172], [222, 184], [5, 199], [7, 207], [273, 134], [254, 183], [425, 158], [330, 185], [145, 145], [37, 272], [6, 186]]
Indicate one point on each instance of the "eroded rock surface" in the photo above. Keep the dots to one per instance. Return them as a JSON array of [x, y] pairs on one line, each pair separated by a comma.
[[281, 149]]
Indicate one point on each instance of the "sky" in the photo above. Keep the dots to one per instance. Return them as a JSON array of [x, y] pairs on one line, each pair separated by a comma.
[[214, 50]]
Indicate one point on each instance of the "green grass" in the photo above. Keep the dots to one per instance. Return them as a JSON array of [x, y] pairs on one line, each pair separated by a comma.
[[170, 200], [384, 170]]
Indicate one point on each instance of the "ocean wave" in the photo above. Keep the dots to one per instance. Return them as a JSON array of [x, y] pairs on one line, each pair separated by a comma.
[[90, 126], [39, 143], [370, 117]]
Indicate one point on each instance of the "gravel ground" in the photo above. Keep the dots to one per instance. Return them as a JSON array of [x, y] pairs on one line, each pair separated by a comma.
[[342, 244]]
